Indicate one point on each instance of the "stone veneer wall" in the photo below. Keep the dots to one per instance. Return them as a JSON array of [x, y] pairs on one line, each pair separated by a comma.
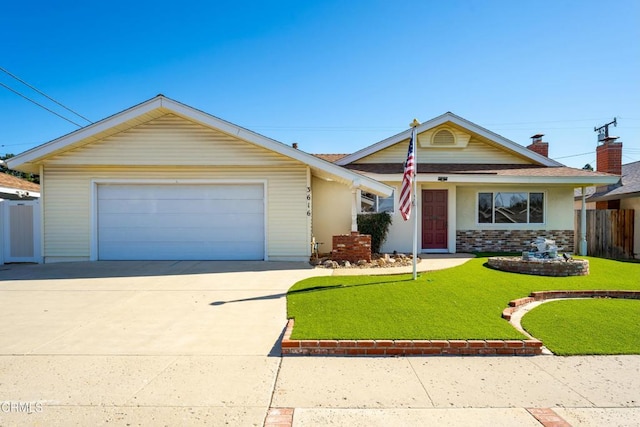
[[351, 247], [555, 268], [509, 240]]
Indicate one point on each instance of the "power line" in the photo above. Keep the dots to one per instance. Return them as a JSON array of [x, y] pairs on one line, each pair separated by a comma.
[[39, 105], [574, 155], [44, 94]]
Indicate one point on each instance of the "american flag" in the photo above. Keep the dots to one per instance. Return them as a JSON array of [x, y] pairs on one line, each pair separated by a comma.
[[407, 180]]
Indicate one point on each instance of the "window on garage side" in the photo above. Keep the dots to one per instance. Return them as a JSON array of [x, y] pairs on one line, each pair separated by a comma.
[[511, 208], [370, 203]]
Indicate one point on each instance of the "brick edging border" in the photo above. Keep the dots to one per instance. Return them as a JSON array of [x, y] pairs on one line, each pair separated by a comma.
[[546, 295], [406, 347]]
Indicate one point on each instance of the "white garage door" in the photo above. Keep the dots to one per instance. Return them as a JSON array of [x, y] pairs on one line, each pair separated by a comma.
[[181, 222]]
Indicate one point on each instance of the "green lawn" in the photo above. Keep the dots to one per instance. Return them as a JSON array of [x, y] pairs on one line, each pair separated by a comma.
[[464, 302], [594, 326]]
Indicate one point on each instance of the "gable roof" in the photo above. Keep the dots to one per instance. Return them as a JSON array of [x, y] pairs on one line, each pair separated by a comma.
[[629, 185], [449, 117], [160, 105]]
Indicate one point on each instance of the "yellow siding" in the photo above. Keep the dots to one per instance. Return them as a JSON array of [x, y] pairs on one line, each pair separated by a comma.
[[475, 152], [170, 140], [67, 206]]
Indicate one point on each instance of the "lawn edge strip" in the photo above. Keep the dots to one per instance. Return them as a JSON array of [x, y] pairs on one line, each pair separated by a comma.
[[547, 295], [404, 347]]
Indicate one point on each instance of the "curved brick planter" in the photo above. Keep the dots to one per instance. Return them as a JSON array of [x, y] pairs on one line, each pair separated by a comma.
[[545, 295], [407, 347], [557, 268]]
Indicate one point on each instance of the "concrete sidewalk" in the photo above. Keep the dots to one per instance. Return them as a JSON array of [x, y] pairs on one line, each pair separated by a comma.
[[197, 343], [428, 262]]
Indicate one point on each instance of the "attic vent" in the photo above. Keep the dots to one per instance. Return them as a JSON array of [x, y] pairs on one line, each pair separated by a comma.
[[444, 137]]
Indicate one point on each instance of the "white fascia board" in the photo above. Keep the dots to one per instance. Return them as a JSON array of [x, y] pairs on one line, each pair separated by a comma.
[[83, 133], [507, 143], [444, 118], [496, 179], [161, 102], [312, 161], [391, 141]]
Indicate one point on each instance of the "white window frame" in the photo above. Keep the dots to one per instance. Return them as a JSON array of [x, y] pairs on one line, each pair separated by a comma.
[[376, 202], [514, 224]]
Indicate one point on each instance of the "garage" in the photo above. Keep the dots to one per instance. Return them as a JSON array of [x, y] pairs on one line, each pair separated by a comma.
[[180, 221]]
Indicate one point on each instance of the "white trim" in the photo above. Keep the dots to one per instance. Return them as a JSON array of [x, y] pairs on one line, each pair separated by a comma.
[[85, 132], [165, 104], [512, 225], [503, 179], [395, 202], [444, 118], [42, 200], [93, 239]]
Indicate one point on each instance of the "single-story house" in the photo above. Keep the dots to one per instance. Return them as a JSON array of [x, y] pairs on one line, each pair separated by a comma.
[[162, 180], [477, 191]]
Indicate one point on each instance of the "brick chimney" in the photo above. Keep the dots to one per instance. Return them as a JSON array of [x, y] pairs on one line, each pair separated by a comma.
[[609, 156], [538, 146]]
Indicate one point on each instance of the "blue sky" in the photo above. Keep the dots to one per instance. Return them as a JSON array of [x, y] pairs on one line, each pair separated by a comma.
[[334, 76]]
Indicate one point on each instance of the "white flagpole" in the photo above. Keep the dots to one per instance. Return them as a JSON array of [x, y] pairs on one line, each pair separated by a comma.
[[414, 191]]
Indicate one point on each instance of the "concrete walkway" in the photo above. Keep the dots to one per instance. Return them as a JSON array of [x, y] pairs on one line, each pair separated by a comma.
[[197, 343]]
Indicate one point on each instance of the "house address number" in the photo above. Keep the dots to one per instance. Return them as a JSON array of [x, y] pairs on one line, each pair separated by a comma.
[[308, 201]]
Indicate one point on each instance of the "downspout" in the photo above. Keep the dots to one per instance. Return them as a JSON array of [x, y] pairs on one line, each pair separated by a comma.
[[583, 223]]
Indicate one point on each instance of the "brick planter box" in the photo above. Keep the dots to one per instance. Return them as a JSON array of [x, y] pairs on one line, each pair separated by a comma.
[[351, 247], [407, 347]]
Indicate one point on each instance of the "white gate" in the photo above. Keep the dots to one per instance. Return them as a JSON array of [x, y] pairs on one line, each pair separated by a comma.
[[21, 231]]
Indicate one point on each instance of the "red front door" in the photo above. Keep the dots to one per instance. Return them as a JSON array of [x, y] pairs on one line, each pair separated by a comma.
[[434, 219]]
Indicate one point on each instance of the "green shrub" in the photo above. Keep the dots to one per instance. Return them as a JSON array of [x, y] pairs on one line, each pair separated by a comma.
[[377, 226]]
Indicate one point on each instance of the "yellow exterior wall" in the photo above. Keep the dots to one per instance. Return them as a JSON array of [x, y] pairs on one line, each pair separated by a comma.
[[475, 152], [331, 211], [634, 203], [165, 149], [170, 140], [559, 214]]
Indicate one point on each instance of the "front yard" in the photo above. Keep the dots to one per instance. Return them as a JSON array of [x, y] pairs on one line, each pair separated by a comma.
[[464, 302]]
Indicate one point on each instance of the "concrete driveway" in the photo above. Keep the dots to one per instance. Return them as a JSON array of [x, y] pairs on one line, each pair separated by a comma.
[[196, 343], [142, 342]]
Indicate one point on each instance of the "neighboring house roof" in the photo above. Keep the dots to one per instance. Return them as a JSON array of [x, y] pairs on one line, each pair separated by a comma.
[[12, 185], [629, 185], [449, 117], [331, 157], [29, 161]]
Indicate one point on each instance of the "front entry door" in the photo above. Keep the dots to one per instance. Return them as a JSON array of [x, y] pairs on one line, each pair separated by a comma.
[[434, 219]]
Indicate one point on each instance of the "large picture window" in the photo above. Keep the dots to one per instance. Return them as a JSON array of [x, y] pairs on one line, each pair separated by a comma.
[[370, 203], [511, 208]]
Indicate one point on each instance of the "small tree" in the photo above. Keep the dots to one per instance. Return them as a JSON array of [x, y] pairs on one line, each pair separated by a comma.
[[587, 167], [377, 226]]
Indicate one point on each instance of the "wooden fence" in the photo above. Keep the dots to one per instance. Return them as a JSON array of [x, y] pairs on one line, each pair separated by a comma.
[[609, 233]]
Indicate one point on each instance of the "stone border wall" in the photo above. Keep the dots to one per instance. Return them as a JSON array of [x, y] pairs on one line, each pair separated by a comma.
[[351, 247], [407, 347], [510, 240], [545, 295], [555, 268]]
